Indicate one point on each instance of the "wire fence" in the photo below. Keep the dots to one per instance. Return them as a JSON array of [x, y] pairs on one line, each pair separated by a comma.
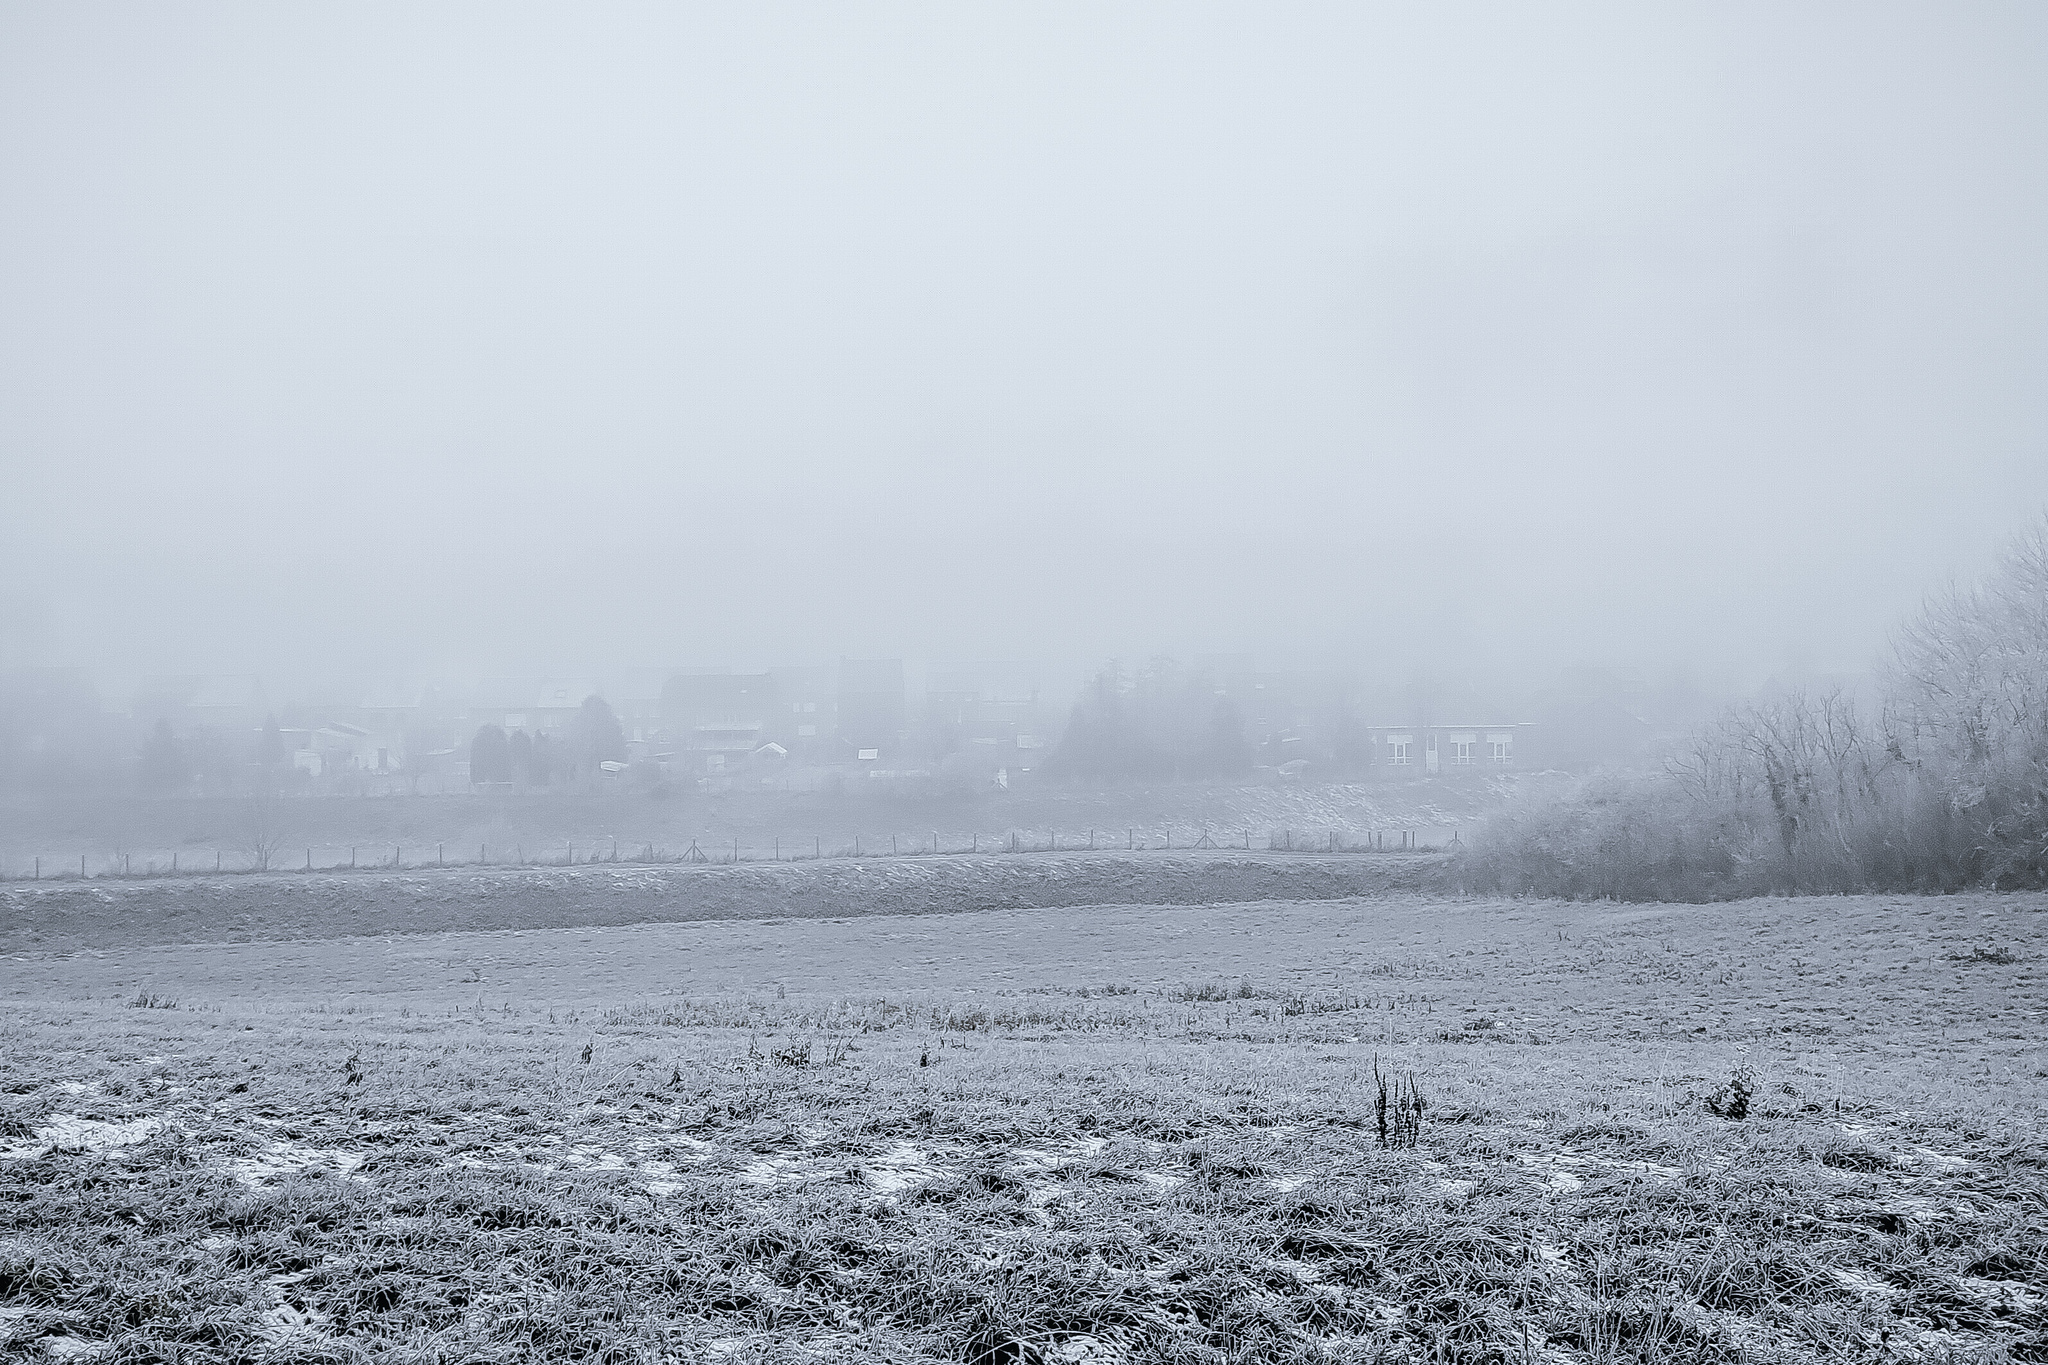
[[704, 849]]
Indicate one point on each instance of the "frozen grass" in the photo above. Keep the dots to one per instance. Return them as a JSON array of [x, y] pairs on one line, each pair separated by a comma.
[[1093, 1169]]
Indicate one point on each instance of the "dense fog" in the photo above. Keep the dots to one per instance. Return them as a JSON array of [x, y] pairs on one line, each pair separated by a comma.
[[1468, 346]]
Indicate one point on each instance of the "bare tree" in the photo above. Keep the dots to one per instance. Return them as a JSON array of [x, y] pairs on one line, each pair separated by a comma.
[[263, 829]]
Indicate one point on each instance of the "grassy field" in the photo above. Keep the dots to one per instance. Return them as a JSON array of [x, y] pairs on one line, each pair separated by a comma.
[[76, 915], [1765, 1131]]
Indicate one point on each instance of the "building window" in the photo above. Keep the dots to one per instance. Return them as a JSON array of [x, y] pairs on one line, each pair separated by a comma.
[[1501, 747], [1463, 749], [806, 731], [1397, 750]]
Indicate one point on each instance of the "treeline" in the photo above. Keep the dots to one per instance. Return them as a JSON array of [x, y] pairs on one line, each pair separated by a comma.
[[1161, 723], [593, 739], [1940, 783]]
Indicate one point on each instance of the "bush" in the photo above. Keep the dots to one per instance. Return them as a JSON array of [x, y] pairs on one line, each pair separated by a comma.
[[1943, 785]]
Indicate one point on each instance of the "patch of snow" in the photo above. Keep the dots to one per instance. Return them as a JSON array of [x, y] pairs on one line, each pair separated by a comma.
[[1920, 1209], [282, 1158], [1940, 1161], [2009, 1295], [1862, 1283], [902, 1167], [1053, 1157], [1082, 1349], [69, 1133], [773, 1171], [591, 1157], [285, 1322]]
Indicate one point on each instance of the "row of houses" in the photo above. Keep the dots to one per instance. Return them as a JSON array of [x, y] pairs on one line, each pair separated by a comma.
[[994, 718], [704, 723]]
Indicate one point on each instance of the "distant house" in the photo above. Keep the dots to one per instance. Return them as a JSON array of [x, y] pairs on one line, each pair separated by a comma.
[[636, 699], [985, 718], [974, 702], [871, 704], [719, 720], [809, 701], [538, 708], [1426, 749], [338, 747]]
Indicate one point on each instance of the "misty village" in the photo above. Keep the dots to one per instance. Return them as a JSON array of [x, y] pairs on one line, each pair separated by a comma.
[[1138, 684]]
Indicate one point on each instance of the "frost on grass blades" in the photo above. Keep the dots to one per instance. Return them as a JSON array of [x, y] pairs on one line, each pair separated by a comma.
[[1411, 1129]]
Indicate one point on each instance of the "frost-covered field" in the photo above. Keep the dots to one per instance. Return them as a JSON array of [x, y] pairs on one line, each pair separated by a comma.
[[1771, 1130]]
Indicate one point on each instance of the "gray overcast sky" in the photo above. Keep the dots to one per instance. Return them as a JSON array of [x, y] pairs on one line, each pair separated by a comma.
[[1484, 338]]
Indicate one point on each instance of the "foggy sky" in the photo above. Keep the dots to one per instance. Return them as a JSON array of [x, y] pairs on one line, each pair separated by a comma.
[[1485, 339]]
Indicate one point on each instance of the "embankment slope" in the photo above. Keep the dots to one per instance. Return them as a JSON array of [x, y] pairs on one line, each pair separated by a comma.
[[81, 916]]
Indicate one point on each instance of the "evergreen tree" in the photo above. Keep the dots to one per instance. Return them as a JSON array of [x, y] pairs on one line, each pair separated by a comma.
[[519, 752], [597, 736], [490, 756]]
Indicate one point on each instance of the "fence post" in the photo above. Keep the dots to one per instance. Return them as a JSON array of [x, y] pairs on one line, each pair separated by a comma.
[[1130, 838], [481, 850], [351, 855], [39, 869], [778, 848], [1091, 841], [935, 841], [441, 854], [817, 847], [124, 864], [309, 860], [216, 861], [892, 845], [81, 863]]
